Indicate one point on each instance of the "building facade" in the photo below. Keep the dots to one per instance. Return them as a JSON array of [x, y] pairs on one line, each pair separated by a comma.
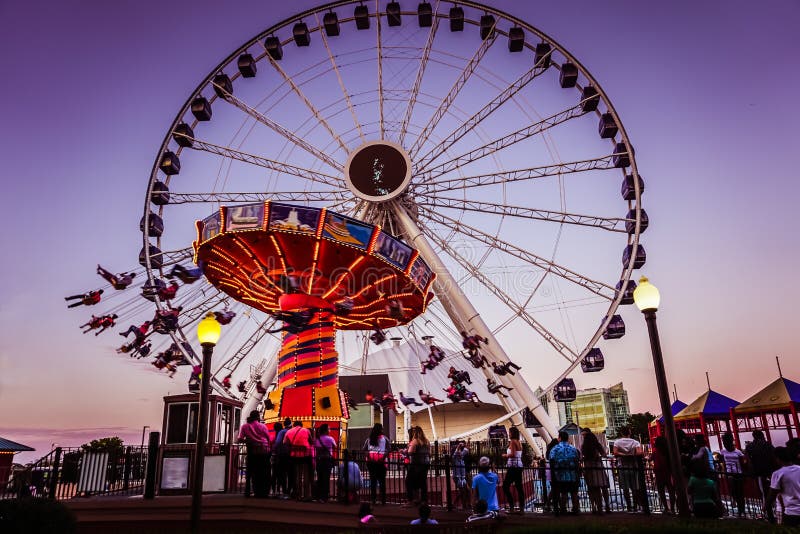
[[600, 409]]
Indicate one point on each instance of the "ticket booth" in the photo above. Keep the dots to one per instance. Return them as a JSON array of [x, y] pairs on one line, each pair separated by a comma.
[[178, 439]]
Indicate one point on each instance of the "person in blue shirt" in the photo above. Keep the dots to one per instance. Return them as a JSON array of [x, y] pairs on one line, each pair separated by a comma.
[[564, 463], [484, 485]]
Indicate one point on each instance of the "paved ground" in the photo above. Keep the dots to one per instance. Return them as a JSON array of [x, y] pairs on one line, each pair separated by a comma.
[[234, 513]]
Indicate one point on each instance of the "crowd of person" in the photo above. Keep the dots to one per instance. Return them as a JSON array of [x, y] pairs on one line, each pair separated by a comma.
[[293, 461]]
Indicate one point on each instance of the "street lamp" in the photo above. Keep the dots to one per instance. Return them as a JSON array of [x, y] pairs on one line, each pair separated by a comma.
[[208, 332], [647, 299]]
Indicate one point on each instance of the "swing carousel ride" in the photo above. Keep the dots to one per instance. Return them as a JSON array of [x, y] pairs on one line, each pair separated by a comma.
[[361, 170]]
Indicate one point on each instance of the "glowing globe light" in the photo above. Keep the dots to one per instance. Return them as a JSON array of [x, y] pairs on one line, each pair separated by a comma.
[[646, 295], [208, 330]]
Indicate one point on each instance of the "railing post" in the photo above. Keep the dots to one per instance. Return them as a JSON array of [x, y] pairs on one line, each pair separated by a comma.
[[645, 495], [448, 491], [346, 469], [54, 474], [152, 464], [126, 473]]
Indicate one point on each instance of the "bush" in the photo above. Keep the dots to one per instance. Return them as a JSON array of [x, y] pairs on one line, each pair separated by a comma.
[[33, 516]]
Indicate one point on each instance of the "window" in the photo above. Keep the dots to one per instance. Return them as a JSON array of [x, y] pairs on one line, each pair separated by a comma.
[[182, 422]]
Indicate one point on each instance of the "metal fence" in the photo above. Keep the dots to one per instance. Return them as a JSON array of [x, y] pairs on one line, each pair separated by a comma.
[[66, 473], [620, 488]]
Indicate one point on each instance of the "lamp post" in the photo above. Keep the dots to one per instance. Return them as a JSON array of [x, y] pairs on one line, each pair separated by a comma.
[[208, 332], [647, 299]]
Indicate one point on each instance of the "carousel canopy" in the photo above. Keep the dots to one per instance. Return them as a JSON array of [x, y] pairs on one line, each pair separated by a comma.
[[709, 404], [402, 364], [779, 395], [258, 252]]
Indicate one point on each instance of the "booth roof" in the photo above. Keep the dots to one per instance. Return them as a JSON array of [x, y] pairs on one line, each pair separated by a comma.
[[780, 394], [676, 407], [709, 404], [6, 445]]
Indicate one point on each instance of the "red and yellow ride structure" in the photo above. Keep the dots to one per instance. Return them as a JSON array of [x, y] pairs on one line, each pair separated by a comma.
[[340, 272]]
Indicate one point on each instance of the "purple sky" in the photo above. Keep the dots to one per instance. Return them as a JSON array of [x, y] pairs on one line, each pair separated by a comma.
[[706, 90]]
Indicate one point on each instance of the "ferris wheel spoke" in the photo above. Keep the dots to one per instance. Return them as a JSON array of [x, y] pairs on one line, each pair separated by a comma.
[[451, 95], [500, 143], [231, 364], [279, 129], [561, 347], [476, 119], [308, 104], [193, 313], [171, 257], [596, 287], [380, 67], [278, 166], [426, 52], [282, 196], [611, 224], [517, 175], [341, 82]]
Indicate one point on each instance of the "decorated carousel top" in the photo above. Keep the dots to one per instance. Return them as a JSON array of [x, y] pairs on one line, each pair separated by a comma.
[[259, 252]]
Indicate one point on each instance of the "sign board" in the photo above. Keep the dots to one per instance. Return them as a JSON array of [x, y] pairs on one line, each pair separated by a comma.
[[214, 474], [175, 473]]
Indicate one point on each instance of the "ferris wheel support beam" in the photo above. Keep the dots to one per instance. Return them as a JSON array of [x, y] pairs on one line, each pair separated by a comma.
[[464, 315], [267, 377], [233, 362]]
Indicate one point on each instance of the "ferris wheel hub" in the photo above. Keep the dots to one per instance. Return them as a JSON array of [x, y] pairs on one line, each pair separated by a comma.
[[378, 171]]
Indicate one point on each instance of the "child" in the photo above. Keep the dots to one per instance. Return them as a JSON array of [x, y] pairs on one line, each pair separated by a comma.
[[481, 512], [424, 516]]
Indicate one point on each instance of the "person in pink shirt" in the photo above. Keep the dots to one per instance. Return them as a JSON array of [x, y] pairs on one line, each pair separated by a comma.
[[259, 450], [298, 439]]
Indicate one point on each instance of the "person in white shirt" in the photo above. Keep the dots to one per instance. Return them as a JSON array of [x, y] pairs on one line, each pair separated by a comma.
[[734, 467], [786, 483], [629, 453]]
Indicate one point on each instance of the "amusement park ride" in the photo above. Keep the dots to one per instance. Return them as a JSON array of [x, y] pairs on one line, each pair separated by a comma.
[[374, 141]]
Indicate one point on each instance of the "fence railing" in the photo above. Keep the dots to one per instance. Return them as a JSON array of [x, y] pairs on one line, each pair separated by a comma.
[[352, 475], [67, 472]]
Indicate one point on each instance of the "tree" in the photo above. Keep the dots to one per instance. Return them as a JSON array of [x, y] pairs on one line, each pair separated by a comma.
[[111, 445], [639, 424]]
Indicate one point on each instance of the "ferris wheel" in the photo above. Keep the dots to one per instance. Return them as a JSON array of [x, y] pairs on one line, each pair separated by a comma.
[[462, 130]]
